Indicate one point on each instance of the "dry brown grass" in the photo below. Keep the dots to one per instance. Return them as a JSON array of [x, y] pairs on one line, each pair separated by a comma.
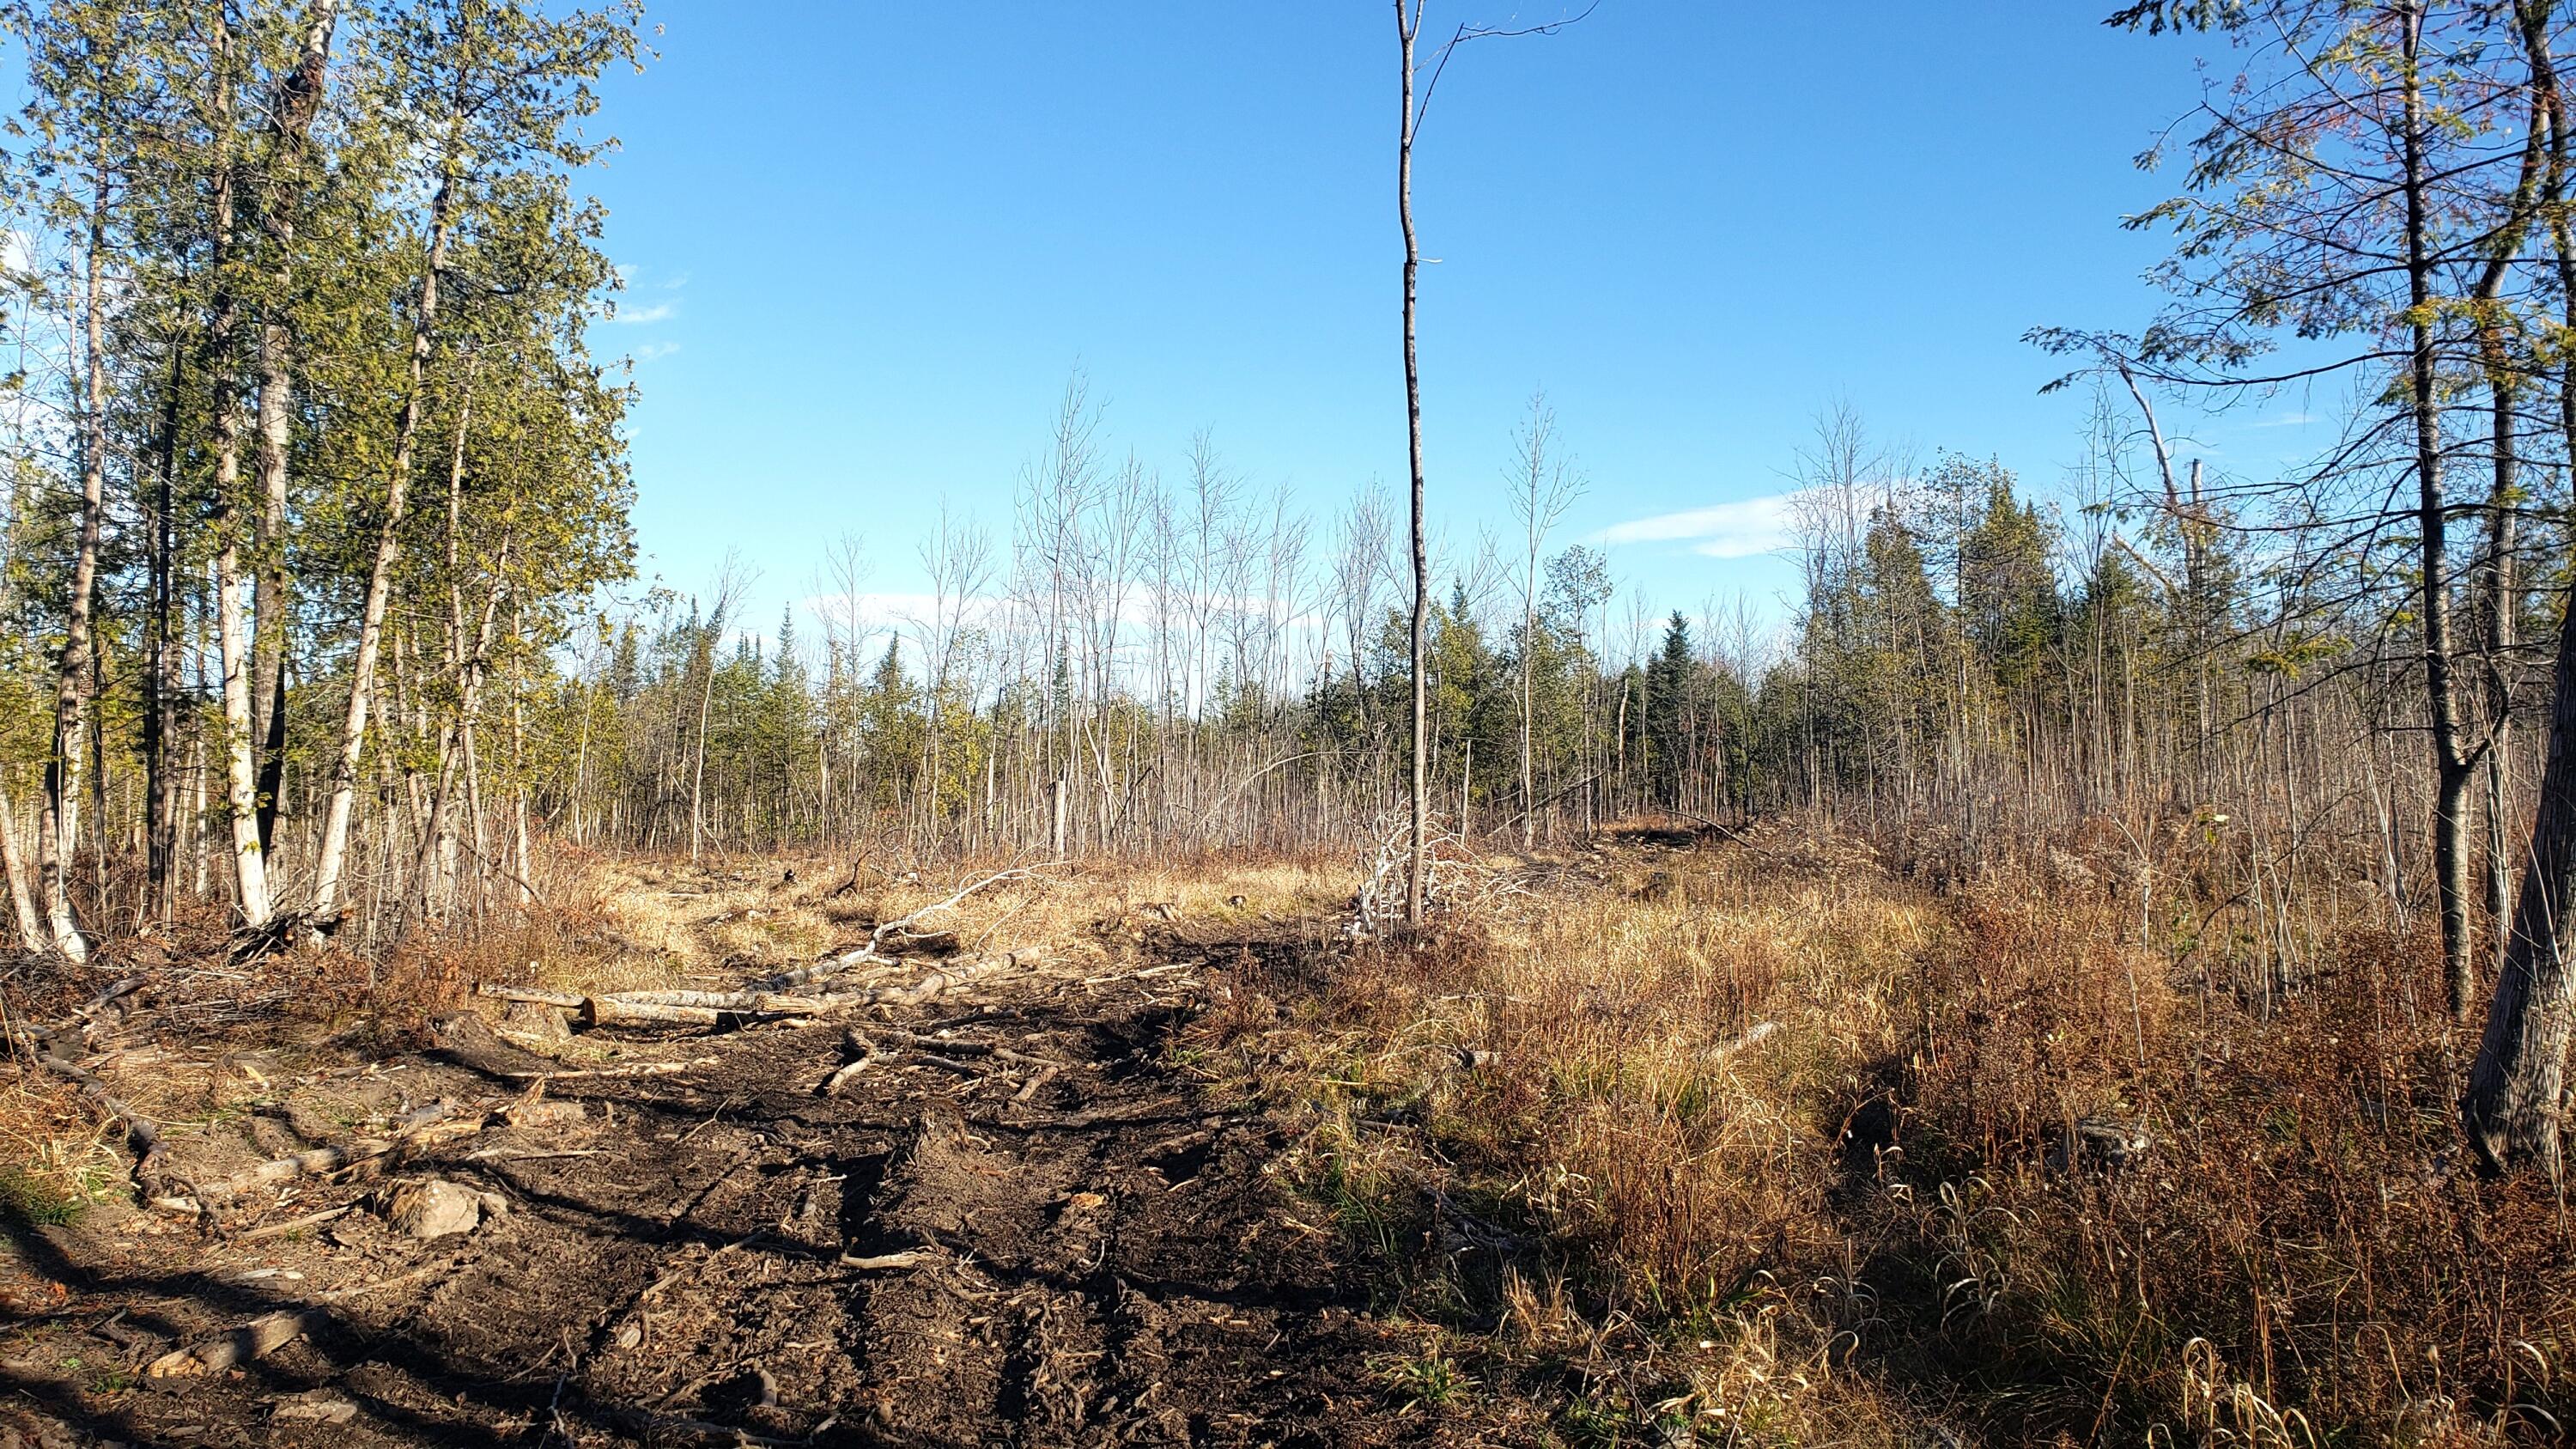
[[1878, 1219]]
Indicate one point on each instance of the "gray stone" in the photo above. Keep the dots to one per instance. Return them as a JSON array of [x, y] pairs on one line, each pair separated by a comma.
[[434, 1209]]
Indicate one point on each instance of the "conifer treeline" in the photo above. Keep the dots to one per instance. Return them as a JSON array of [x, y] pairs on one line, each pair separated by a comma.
[[308, 464]]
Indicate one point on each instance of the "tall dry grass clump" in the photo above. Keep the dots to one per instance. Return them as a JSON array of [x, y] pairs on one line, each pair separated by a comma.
[[2044, 1156]]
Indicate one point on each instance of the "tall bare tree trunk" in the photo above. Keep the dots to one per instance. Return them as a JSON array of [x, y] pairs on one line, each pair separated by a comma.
[[2454, 769], [1407, 26], [241, 779], [75, 680], [162, 647], [332, 857], [299, 97]]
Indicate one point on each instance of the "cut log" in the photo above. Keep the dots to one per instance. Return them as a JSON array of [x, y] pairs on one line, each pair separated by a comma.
[[565, 999], [539, 1025], [768, 1003]]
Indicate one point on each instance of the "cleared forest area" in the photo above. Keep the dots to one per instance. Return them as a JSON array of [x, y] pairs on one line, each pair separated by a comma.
[[1226, 965]]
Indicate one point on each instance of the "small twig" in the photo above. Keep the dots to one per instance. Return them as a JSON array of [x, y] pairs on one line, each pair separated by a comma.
[[279, 1230], [909, 1257]]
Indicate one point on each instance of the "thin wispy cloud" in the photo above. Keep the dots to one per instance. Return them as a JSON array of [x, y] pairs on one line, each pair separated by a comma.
[[2287, 420], [1745, 528], [650, 350], [658, 312]]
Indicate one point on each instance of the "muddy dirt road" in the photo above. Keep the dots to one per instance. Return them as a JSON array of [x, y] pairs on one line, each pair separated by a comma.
[[1016, 1223]]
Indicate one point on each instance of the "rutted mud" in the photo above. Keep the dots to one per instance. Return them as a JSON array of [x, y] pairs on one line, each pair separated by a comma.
[[934, 1254]]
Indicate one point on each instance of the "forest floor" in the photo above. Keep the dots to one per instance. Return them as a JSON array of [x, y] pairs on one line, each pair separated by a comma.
[[682, 1238], [1660, 1139]]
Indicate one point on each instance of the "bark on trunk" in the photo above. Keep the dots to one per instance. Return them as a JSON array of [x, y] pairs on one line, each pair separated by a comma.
[[1407, 26], [2517, 1084], [163, 646], [75, 683], [299, 97], [22, 899], [2453, 768], [332, 857]]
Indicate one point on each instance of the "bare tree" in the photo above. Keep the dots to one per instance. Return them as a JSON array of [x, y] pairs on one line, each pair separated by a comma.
[[1543, 488], [957, 557], [1408, 32], [724, 595]]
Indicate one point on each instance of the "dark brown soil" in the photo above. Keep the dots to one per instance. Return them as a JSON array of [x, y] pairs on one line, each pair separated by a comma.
[[1106, 1262]]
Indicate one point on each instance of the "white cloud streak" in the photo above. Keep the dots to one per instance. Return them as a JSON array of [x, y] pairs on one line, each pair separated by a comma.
[[1742, 529]]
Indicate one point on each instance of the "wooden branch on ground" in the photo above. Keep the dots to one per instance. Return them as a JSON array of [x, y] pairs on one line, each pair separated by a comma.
[[269, 1332], [867, 1056], [440, 1120], [874, 952], [731, 1008], [143, 1135], [254, 1340], [964, 1048]]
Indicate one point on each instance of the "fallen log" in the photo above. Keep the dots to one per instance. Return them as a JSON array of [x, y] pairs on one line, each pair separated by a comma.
[[143, 1135], [320, 1160], [604, 1011], [566, 999], [913, 993], [254, 1340], [900, 929], [769, 1003], [967, 1048]]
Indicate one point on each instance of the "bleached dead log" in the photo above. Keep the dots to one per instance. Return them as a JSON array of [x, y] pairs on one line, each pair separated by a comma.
[[768, 1003], [608, 1011], [565, 999], [949, 978]]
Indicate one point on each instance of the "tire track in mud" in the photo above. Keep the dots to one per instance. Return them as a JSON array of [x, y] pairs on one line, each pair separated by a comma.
[[1104, 1263]]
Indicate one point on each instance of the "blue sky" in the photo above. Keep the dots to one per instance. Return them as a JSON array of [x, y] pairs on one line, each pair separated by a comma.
[[868, 242]]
